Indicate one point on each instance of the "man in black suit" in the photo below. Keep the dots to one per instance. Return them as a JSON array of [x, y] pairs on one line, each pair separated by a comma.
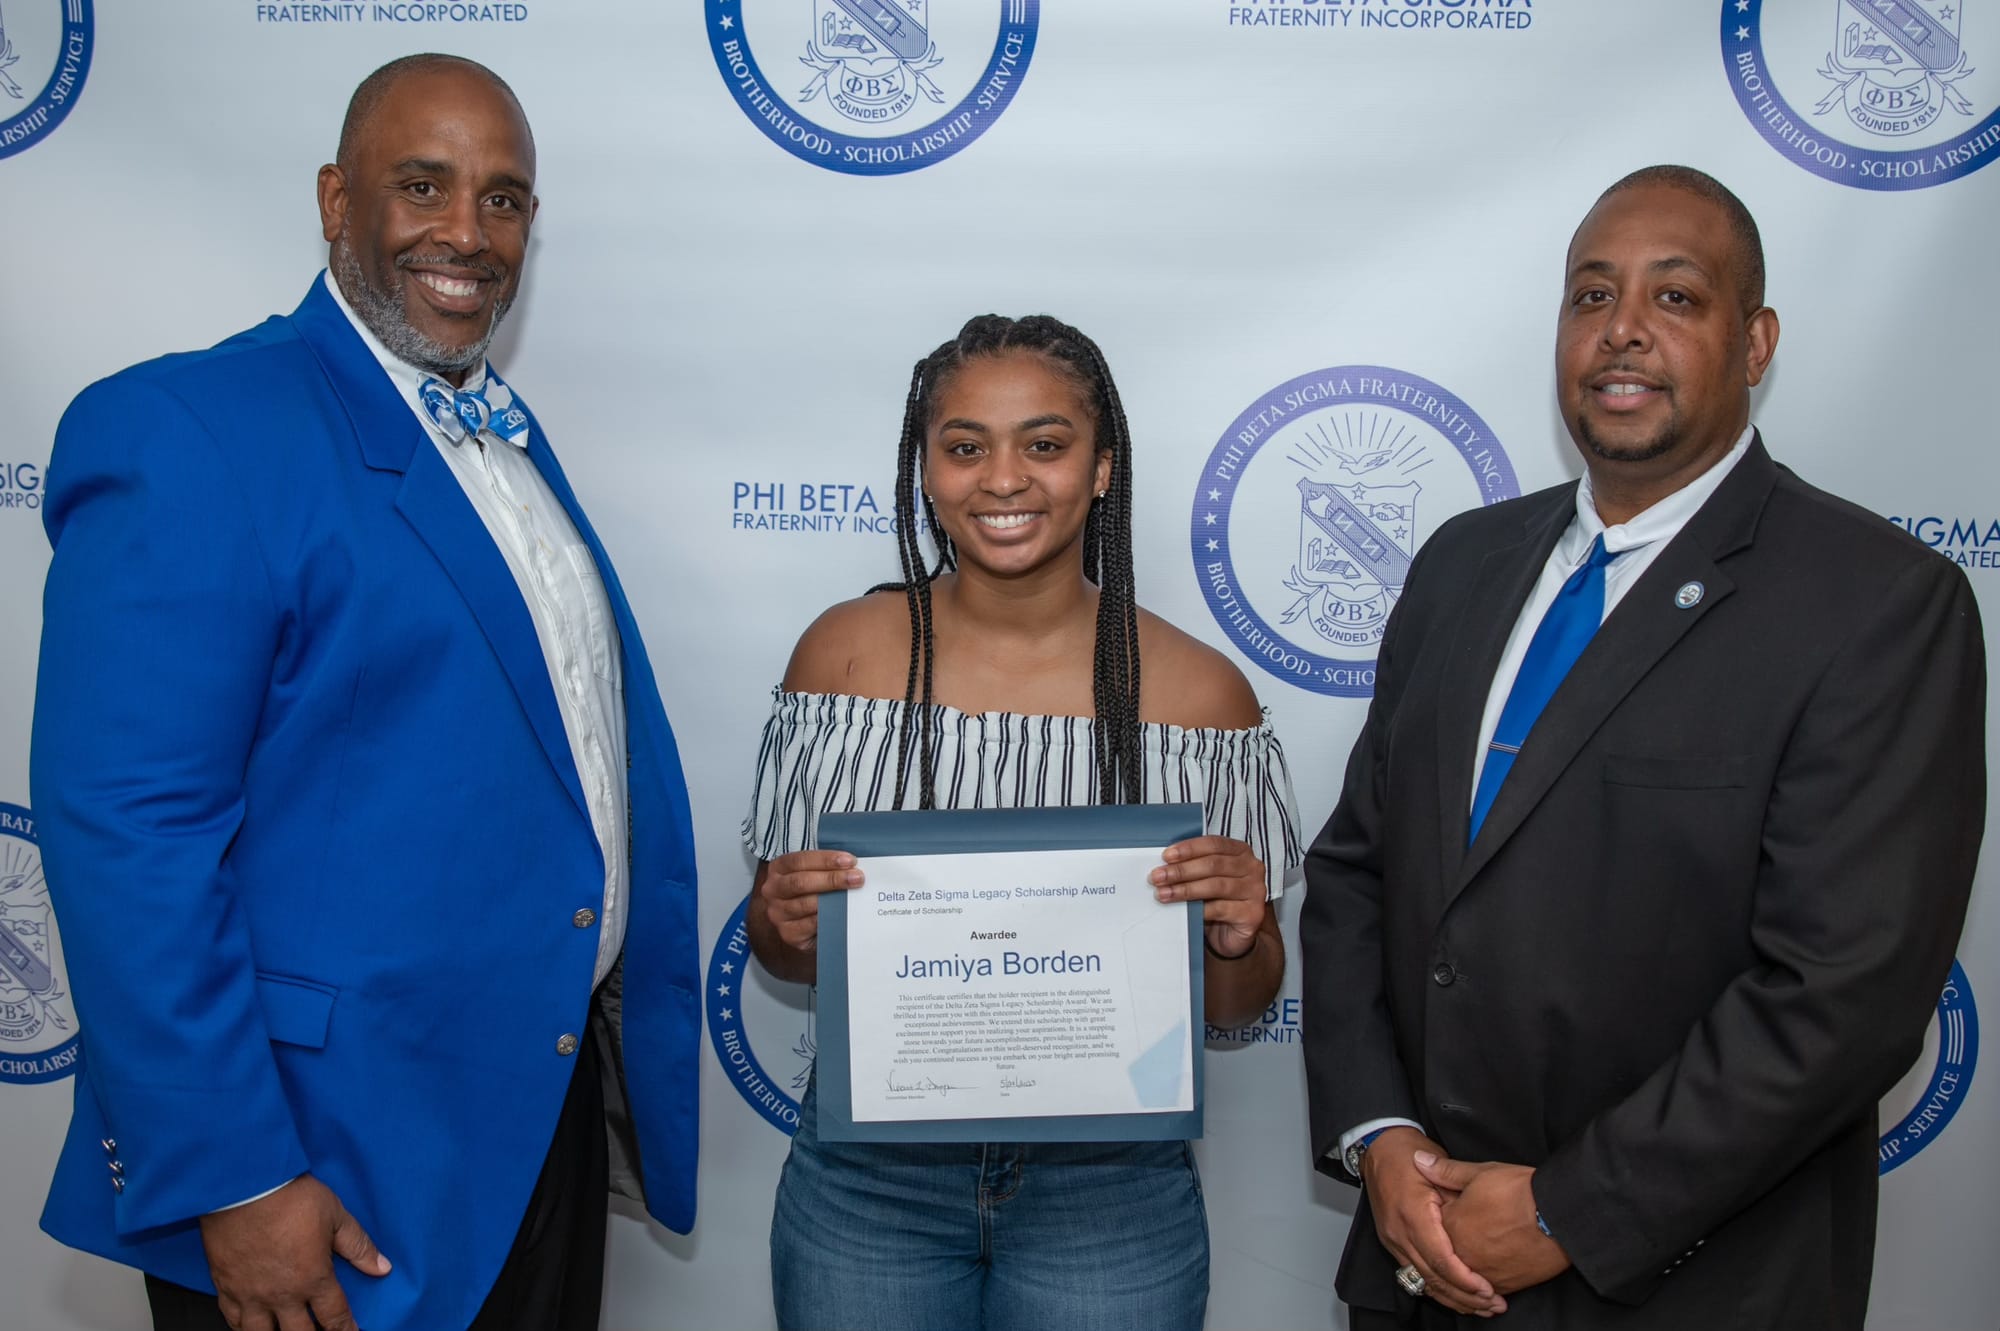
[[1653, 851]]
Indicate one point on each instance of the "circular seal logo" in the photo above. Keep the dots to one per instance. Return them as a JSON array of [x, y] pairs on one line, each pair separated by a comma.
[[45, 48], [1888, 95], [1950, 1049], [1312, 505], [873, 87], [736, 1002], [38, 1040]]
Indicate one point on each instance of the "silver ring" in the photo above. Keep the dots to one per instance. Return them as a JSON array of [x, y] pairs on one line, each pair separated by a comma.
[[1412, 1281]]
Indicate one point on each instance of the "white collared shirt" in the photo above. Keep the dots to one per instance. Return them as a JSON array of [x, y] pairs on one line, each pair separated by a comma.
[[565, 596], [1636, 544]]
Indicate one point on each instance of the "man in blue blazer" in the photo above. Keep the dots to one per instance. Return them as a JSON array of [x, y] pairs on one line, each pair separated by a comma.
[[365, 828]]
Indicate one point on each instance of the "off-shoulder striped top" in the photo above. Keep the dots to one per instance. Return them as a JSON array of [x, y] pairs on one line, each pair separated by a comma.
[[834, 752]]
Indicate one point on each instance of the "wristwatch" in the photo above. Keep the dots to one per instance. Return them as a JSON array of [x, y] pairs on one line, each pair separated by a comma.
[[1357, 1149]]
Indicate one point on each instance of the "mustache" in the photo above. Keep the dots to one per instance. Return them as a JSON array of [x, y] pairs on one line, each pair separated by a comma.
[[478, 266]]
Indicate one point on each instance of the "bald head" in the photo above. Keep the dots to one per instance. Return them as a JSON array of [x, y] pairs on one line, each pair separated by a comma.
[[375, 89], [1746, 246]]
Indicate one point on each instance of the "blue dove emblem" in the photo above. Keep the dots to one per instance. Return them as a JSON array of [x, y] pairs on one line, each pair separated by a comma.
[[7, 61]]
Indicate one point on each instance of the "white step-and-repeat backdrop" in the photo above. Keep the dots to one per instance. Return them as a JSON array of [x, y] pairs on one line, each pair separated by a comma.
[[1289, 222]]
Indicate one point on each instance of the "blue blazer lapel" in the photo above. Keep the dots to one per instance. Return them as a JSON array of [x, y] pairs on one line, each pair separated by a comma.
[[434, 504]]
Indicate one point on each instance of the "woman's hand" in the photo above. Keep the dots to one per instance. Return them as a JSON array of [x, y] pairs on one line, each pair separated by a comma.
[[1226, 876], [1246, 957], [783, 919]]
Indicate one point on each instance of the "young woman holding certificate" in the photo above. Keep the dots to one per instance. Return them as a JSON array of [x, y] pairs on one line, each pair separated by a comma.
[[1004, 672]]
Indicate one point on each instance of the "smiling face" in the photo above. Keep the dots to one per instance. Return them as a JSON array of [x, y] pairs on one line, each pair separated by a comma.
[[1655, 352], [428, 219], [1011, 462]]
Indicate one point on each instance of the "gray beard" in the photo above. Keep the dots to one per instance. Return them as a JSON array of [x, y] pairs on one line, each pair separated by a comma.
[[383, 314]]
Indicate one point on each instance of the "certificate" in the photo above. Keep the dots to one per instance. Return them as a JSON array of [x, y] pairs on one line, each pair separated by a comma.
[[1008, 975]]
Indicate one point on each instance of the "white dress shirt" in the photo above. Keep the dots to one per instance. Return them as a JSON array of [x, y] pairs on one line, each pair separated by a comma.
[[1636, 544], [565, 598]]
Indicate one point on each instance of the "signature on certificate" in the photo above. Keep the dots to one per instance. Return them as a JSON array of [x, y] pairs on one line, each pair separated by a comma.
[[924, 1087]]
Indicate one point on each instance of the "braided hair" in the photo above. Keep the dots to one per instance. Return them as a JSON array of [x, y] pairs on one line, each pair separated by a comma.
[[1107, 551]]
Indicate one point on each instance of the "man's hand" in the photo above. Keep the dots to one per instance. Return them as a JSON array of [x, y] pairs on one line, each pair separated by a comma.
[[272, 1259], [1409, 1218], [1489, 1215]]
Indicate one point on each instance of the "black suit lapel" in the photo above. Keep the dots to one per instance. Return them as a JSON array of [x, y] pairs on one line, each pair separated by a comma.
[[1642, 629], [1500, 588]]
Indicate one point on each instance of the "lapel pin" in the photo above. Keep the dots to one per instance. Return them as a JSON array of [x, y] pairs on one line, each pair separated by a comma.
[[1689, 596]]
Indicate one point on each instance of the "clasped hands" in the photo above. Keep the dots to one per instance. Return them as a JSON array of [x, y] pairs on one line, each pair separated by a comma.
[[1469, 1229]]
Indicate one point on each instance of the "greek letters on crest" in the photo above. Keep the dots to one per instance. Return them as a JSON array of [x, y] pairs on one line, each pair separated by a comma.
[[1894, 63], [871, 58]]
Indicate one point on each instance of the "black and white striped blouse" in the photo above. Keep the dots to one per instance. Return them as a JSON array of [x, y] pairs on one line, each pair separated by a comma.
[[836, 753]]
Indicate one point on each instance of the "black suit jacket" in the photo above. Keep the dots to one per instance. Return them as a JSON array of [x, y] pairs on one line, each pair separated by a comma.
[[1704, 926]]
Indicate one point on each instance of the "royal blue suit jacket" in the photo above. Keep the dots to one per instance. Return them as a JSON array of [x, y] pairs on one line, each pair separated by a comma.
[[315, 836]]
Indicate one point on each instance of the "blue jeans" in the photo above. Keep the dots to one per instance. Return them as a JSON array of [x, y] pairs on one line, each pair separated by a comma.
[[957, 1237]]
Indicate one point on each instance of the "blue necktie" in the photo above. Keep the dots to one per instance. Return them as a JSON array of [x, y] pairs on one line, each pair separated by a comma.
[[1560, 638], [462, 414]]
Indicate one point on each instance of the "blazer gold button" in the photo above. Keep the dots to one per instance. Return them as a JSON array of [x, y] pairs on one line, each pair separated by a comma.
[[1444, 974], [584, 918], [117, 1184], [566, 1046]]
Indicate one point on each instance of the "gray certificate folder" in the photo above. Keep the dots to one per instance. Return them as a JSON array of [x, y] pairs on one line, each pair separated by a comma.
[[978, 831]]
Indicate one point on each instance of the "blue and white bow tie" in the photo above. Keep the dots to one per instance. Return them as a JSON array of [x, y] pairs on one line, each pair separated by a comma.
[[462, 414]]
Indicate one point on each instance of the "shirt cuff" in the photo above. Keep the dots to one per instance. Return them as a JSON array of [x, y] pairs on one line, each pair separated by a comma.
[[1372, 1126], [259, 1197]]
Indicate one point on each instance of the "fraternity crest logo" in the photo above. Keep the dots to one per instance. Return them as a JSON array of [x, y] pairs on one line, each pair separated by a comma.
[[1885, 94], [1937, 1085], [38, 1037], [1313, 504], [884, 86], [45, 48], [872, 59], [741, 997]]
